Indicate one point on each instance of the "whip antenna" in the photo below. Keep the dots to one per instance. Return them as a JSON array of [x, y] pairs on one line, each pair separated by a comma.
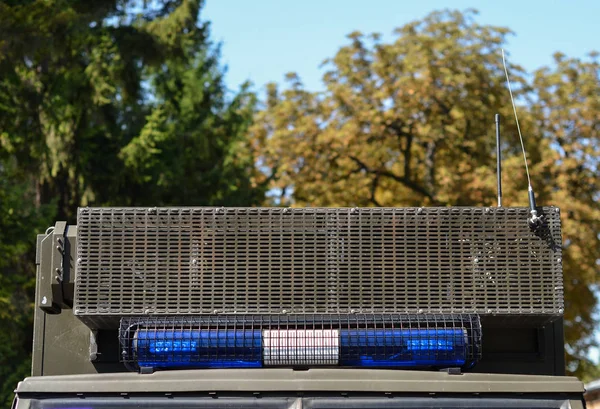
[[534, 220]]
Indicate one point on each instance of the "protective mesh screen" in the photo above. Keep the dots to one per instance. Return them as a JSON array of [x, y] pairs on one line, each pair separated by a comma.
[[170, 261], [300, 340]]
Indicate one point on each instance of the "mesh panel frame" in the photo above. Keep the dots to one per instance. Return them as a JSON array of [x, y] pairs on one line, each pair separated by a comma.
[[189, 261]]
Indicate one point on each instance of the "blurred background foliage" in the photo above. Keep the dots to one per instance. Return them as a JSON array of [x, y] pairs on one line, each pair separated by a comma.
[[123, 102]]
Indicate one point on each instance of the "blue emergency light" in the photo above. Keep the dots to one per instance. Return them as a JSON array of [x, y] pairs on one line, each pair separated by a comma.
[[414, 347], [228, 348], [198, 348]]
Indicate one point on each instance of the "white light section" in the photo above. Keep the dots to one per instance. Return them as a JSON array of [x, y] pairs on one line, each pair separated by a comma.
[[301, 347]]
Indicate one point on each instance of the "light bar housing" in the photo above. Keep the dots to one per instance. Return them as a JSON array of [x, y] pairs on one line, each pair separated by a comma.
[[360, 340]]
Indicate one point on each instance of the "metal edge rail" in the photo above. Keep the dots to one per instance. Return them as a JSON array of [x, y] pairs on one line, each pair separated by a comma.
[[288, 380]]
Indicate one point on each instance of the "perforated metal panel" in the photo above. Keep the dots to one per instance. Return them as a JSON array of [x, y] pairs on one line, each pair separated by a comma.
[[170, 261]]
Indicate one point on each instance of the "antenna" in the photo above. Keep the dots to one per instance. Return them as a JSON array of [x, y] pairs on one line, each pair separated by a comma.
[[534, 220], [498, 160]]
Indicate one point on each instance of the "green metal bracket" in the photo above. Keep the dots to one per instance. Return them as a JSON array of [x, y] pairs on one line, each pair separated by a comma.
[[55, 268]]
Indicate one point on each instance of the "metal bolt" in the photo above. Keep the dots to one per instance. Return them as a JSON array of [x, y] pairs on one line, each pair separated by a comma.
[[194, 261], [44, 300], [352, 311], [560, 310], [420, 311], [489, 311], [487, 210], [476, 260], [286, 210], [284, 311], [79, 260], [354, 210], [559, 260], [420, 210]]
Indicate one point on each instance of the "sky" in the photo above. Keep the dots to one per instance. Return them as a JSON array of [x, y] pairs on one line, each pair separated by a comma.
[[264, 39]]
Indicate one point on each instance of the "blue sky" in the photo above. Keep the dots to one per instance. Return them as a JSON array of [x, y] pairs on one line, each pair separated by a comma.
[[264, 39]]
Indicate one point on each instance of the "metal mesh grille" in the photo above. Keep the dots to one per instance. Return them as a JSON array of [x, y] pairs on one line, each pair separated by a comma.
[[317, 340], [170, 261]]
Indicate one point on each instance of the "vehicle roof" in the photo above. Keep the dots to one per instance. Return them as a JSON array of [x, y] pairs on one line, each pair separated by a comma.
[[288, 380]]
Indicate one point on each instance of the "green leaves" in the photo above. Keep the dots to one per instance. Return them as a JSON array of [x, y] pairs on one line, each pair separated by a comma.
[[20, 223], [106, 103], [145, 150], [189, 149]]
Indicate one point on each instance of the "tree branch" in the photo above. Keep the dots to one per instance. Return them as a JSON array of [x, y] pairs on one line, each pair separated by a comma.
[[407, 156], [396, 127], [430, 163], [402, 180], [445, 108], [374, 186]]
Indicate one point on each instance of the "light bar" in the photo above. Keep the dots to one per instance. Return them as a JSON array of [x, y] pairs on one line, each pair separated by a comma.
[[198, 348], [414, 347], [358, 347]]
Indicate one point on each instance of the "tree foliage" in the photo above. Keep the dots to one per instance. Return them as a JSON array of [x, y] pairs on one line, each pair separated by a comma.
[[105, 102], [566, 108], [19, 222], [410, 123]]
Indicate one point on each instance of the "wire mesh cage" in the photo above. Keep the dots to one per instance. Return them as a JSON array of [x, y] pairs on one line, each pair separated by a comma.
[[187, 261], [360, 340]]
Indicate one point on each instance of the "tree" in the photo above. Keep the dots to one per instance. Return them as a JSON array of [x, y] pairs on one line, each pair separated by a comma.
[[108, 102], [395, 119], [566, 108], [189, 148], [410, 123], [98, 80], [20, 222]]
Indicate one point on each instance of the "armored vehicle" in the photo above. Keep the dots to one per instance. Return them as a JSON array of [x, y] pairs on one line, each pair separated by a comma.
[[456, 307]]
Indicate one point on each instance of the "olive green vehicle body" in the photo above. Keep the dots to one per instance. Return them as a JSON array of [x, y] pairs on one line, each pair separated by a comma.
[[288, 388]]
